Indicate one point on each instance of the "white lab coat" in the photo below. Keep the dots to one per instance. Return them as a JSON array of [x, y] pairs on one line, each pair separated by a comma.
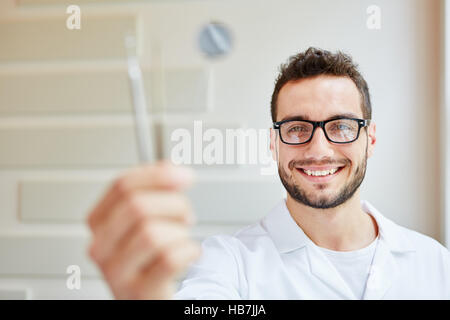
[[274, 259]]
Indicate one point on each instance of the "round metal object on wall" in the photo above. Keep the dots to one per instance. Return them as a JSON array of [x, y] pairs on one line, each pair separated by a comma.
[[215, 40]]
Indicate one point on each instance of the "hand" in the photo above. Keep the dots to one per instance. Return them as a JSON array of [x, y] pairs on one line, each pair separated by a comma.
[[140, 232]]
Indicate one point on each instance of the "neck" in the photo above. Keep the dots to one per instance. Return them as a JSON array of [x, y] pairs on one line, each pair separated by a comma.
[[343, 228]]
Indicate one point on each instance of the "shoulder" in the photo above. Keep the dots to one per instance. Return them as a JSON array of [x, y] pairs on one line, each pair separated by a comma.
[[219, 273], [402, 239], [428, 250], [420, 240], [424, 244]]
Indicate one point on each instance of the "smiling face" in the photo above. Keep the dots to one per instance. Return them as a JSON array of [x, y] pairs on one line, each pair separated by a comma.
[[341, 166]]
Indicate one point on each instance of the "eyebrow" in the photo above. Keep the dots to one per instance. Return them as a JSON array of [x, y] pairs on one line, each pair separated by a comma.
[[305, 117]]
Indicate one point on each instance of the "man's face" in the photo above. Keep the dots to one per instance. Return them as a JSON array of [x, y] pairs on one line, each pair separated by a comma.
[[319, 99]]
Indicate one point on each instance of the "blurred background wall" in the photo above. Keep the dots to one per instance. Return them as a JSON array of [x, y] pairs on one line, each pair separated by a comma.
[[66, 127]]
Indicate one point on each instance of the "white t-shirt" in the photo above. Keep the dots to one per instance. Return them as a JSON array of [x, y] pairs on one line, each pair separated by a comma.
[[353, 266]]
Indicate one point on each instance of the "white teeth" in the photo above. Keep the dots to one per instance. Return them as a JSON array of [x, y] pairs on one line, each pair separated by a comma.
[[320, 173]]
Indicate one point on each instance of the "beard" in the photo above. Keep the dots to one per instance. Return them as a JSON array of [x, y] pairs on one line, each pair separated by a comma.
[[323, 202]]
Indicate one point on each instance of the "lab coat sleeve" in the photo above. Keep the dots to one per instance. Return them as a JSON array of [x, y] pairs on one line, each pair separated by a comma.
[[217, 274]]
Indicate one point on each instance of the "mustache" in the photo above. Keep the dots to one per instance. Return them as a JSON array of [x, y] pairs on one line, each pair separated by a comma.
[[311, 162]]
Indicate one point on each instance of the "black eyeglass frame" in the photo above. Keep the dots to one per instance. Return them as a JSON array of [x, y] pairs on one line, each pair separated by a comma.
[[361, 124]]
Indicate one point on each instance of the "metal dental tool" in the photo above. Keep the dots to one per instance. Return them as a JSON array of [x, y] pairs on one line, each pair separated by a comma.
[[144, 142]]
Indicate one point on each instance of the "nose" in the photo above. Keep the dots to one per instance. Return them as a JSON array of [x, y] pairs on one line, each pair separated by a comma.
[[319, 147]]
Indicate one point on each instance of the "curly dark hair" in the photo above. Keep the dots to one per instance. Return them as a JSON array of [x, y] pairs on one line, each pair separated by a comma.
[[314, 62]]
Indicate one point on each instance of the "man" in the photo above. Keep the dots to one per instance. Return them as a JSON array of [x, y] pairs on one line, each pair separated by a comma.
[[321, 242]]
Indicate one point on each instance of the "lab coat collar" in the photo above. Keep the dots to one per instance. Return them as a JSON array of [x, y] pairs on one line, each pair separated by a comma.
[[393, 235], [288, 236], [283, 229]]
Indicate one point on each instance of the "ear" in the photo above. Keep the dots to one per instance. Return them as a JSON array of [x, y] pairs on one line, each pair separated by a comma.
[[273, 143], [372, 138]]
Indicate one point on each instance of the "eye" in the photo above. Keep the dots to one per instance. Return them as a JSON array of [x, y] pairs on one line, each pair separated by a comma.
[[298, 128], [342, 126]]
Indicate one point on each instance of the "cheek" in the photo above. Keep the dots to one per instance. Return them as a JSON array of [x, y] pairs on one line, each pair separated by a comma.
[[287, 154], [354, 158]]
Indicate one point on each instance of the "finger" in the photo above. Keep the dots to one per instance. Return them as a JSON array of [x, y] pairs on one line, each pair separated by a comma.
[[137, 208], [140, 249], [162, 272], [163, 175]]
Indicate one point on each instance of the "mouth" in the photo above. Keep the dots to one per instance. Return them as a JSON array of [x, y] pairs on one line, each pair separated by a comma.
[[320, 175]]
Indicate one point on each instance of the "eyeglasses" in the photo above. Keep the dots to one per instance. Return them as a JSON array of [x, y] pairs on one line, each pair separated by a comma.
[[337, 130]]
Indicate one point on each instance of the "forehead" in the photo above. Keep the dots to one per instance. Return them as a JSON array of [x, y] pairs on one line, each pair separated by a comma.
[[319, 98]]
